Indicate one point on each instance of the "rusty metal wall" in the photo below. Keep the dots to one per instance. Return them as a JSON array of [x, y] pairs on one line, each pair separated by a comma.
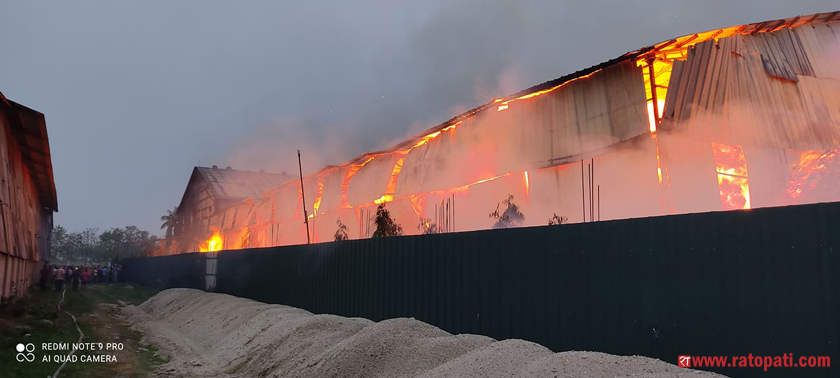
[[25, 224], [724, 283]]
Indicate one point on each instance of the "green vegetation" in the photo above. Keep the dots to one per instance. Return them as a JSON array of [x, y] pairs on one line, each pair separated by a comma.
[[385, 225], [169, 220], [90, 247], [35, 319]]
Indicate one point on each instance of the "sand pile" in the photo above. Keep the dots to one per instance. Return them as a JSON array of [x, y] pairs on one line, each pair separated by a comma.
[[216, 335]]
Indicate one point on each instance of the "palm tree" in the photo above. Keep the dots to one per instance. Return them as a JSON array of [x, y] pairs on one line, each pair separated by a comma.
[[169, 221]]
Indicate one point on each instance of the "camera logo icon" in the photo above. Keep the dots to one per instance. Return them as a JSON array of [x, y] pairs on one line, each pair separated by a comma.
[[25, 352]]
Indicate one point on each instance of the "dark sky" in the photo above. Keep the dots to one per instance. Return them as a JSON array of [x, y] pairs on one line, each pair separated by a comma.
[[136, 93]]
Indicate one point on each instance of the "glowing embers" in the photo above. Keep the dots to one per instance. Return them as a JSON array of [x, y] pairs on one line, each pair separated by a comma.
[[815, 177], [731, 168], [665, 199], [658, 159], [212, 244]]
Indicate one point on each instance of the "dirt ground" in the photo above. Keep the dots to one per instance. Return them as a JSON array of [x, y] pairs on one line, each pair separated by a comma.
[[217, 335], [98, 311]]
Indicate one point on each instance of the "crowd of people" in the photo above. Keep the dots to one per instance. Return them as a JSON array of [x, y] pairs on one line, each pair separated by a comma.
[[78, 276]]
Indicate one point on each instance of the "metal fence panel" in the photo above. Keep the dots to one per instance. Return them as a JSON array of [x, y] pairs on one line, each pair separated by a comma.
[[727, 283]]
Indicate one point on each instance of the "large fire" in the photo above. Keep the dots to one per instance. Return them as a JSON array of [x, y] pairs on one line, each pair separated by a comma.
[[731, 168], [416, 177], [814, 173]]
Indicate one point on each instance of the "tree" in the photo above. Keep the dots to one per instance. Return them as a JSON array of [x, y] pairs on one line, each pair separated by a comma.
[[91, 247], [511, 217], [73, 249], [58, 243], [169, 221], [557, 220], [341, 232], [426, 226], [112, 241], [137, 242], [385, 226]]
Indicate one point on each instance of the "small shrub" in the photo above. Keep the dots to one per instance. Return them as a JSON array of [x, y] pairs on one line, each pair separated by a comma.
[[341, 233], [426, 227], [510, 217], [557, 220]]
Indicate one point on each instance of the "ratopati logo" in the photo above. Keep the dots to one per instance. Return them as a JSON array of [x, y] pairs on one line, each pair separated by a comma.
[[25, 352]]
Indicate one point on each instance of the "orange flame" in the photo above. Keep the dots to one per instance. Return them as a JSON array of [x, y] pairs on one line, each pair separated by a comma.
[[392, 182], [345, 184], [213, 244], [504, 105], [731, 168], [391, 188], [527, 184], [417, 204], [808, 171], [658, 85], [658, 161], [318, 196], [651, 118]]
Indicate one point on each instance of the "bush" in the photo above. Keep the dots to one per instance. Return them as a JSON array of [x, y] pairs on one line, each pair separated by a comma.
[[557, 220], [510, 217], [385, 226], [341, 233]]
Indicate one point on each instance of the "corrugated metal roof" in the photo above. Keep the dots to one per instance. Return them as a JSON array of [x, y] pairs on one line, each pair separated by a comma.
[[754, 28], [231, 184]]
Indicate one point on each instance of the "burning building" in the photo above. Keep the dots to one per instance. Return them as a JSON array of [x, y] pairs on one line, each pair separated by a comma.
[[735, 118], [27, 196], [212, 202]]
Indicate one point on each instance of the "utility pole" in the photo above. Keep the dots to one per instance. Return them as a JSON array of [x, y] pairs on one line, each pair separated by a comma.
[[303, 199]]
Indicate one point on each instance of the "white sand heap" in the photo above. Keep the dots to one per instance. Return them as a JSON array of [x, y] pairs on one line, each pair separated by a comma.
[[217, 335]]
